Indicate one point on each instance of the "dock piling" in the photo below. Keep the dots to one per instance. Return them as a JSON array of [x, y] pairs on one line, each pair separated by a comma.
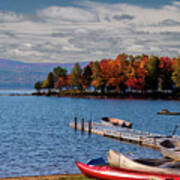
[[82, 124], [140, 140], [135, 136], [174, 130], [75, 123], [154, 141], [89, 126]]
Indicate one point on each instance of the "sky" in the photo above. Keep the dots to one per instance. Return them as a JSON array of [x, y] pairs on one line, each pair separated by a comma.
[[66, 31]]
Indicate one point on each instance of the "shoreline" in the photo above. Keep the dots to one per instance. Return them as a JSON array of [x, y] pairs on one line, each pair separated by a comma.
[[48, 177], [127, 96]]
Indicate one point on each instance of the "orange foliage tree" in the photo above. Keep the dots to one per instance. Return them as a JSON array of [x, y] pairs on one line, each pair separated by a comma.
[[137, 73], [125, 71]]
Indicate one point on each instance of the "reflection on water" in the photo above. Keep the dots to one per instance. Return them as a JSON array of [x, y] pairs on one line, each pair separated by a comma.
[[36, 139], [4, 92]]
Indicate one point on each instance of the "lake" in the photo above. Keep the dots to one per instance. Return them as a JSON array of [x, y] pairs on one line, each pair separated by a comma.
[[35, 137]]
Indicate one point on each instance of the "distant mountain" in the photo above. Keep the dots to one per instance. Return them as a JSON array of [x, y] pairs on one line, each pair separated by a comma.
[[16, 74]]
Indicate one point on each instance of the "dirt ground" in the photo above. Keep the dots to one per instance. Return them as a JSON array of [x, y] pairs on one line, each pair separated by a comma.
[[50, 177]]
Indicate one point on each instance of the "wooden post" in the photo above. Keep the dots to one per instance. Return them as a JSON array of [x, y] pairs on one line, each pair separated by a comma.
[[82, 124], [89, 126], [154, 141], [120, 136], [140, 140], [75, 123], [174, 131]]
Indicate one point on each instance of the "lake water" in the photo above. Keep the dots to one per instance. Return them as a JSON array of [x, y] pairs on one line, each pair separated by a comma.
[[35, 137]]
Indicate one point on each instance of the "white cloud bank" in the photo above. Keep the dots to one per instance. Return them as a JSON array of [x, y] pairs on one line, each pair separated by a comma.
[[66, 14], [96, 31]]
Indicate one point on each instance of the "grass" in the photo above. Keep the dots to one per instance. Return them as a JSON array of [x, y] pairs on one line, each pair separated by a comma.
[[74, 178]]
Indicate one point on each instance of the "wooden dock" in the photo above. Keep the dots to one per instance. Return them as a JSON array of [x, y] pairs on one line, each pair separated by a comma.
[[124, 134]]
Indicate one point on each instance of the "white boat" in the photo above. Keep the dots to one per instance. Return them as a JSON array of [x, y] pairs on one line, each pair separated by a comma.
[[171, 149], [173, 153], [119, 160]]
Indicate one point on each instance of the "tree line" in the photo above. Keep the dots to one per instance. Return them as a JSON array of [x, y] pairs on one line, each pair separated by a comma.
[[124, 73]]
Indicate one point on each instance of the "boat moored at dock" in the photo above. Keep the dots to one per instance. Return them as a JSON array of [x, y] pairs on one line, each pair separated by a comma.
[[116, 122]]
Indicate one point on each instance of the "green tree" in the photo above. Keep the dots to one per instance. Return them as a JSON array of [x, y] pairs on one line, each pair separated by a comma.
[[44, 84], [48, 82], [76, 77], [50, 79], [96, 70], [176, 73], [59, 72], [86, 76], [37, 86], [152, 67], [97, 81], [166, 70]]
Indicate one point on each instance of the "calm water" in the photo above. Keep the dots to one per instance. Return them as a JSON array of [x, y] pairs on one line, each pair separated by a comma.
[[35, 138]]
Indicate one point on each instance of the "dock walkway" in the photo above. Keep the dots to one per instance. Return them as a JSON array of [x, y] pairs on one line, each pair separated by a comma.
[[152, 140]]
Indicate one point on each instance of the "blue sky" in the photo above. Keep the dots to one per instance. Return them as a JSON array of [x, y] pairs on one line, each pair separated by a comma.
[[84, 30], [31, 6]]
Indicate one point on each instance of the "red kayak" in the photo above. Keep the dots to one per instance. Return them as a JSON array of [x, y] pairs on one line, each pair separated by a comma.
[[111, 173]]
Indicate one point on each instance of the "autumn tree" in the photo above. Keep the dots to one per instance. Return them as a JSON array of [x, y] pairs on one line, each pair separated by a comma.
[[117, 74], [106, 73], [136, 73], [61, 83], [130, 73]]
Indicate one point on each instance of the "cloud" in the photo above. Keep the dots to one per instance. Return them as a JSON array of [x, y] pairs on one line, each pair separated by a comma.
[[169, 22], [10, 17], [123, 17], [66, 14], [92, 31]]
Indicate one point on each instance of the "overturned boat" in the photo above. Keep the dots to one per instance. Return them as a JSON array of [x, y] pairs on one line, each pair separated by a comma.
[[166, 112], [116, 122]]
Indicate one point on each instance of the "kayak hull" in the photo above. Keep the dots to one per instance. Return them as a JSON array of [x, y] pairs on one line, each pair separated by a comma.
[[111, 173]]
